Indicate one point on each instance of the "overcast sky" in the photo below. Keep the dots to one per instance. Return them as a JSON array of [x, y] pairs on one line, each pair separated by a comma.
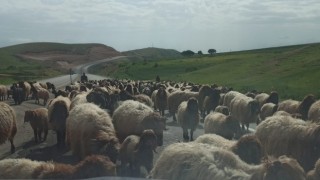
[[226, 25]]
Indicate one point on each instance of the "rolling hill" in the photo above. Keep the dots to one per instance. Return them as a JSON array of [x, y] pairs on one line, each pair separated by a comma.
[[293, 71], [45, 59], [151, 54]]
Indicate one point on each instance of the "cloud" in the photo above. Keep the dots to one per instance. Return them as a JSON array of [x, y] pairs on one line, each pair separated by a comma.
[[177, 24]]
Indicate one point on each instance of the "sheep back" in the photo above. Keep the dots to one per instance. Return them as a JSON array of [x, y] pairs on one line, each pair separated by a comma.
[[8, 127], [284, 135], [245, 110], [90, 131], [132, 117], [220, 124], [314, 112]]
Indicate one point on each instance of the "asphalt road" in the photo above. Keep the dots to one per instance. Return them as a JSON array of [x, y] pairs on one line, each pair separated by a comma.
[[47, 151]]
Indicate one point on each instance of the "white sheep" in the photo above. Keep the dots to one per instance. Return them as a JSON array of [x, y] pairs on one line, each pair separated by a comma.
[[297, 107], [264, 98], [132, 117], [92, 166], [81, 98], [245, 110], [222, 109], [248, 147], [218, 123], [314, 112], [284, 135], [188, 117], [267, 109], [176, 98], [8, 125], [90, 131], [58, 111], [3, 92], [202, 161], [228, 97]]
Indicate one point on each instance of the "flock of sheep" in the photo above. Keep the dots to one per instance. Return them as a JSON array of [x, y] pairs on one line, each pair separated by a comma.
[[115, 127]]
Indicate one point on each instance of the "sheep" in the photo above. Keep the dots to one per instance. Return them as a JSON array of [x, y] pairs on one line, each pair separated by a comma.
[[81, 98], [175, 98], [211, 101], [90, 131], [58, 111], [26, 88], [161, 100], [138, 151], [284, 135], [41, 93], [267, 109], [204, 91], [188, 117], [220, 124], [91, 166], [222, 109], [245, 110], [8, 125], [293, 106], [18, 94], [248, 147], [264, 98], [132, 117], [228, 97], [314, 174], [314, 112], [202, 161], [153, 98], [143, 99], [38, 119], [3, 92]]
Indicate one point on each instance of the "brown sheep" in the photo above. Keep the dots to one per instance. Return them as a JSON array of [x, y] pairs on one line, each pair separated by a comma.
[[91, 166], [263, 98], [188, 117], [8, 124], [161, 100], [220, 124], [41, 93], [138, 151], [211, 102], [301, 107], [248, 147], [284, 135], [314, 174], [268, 109], [39, 122]]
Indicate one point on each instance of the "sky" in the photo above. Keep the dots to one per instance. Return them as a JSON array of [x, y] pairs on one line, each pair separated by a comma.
[[225, 25]]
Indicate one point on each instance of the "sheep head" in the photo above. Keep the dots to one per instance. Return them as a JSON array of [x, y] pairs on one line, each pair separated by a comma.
[[155, 122], [192, 105], [29, 115], [284, 168], [148, 140], [305, 104], [249, 149]]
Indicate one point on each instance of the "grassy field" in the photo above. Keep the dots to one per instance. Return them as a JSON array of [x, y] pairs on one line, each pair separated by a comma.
[[293, 71]]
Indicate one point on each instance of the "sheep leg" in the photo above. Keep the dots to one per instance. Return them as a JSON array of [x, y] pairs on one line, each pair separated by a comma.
[[185, 135], [39, 134], [13, 148], [35, 132], [191, 135], [45, 134]]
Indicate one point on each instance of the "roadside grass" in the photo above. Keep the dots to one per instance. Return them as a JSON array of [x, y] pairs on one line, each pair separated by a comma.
[[293, 71]]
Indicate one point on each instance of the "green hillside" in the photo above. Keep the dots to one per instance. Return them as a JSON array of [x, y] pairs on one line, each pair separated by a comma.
[[293, 71], [150, 54]]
